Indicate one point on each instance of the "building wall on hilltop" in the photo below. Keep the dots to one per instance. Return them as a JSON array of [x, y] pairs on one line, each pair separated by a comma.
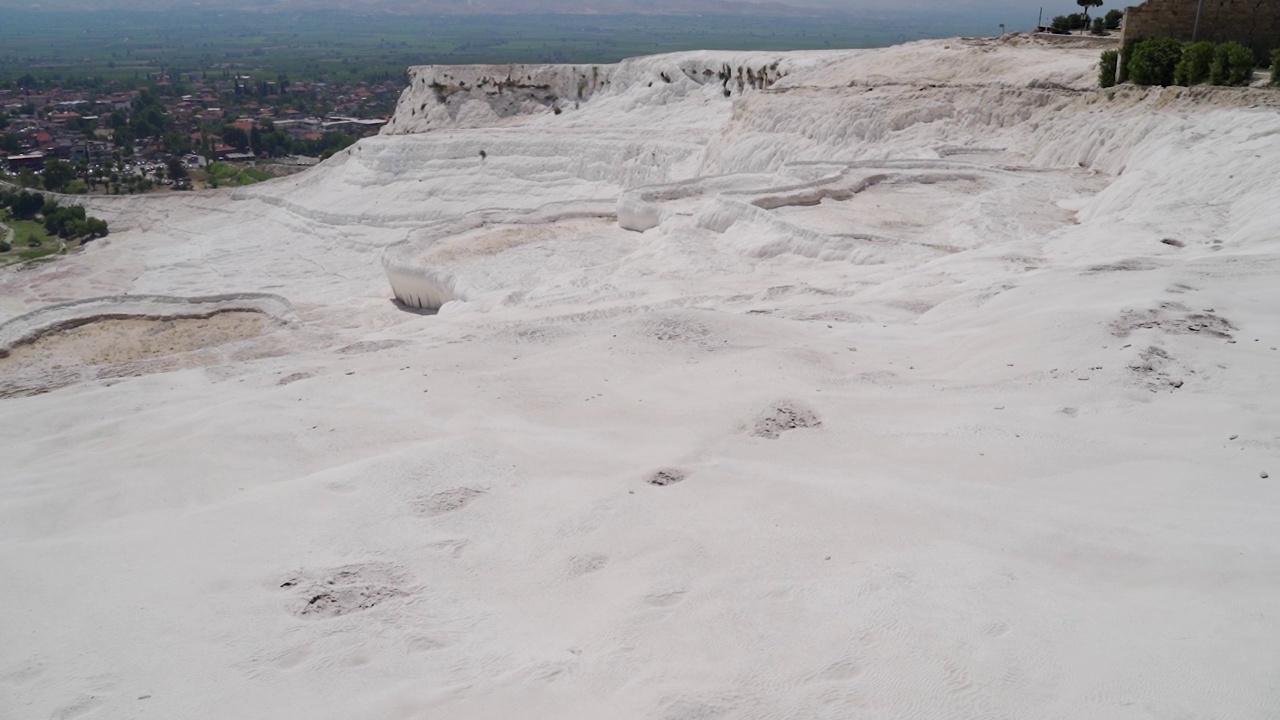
[[1254, 23]]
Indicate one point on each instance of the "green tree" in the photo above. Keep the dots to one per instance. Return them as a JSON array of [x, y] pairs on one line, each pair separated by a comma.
[[235, 137], [123, 138], [331, 143], [1107, 68], [81, 125], [149, 121], [1193, 68], [144, 99], [28, 179], [1232, 65], [176, 143], [1113, 19], [95, 228], [277, 143], [64, 222], [1152, 62], [26, 205], [1067, 23], [1086, 4], [57, 173], [177, 169]]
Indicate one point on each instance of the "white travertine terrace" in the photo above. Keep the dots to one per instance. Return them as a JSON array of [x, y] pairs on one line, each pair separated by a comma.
[[928, 381]]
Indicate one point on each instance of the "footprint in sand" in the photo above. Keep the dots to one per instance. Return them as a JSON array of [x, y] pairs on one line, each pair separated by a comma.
[[667, 599], [292, 658], [78, 708], [426, 643], [585, 564], [445, 501]]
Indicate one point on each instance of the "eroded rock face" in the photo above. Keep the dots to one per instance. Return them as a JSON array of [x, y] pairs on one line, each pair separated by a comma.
[[473, 96], [468, 96]]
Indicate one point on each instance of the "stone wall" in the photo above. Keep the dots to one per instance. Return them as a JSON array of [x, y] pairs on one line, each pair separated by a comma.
[[1254, 23]]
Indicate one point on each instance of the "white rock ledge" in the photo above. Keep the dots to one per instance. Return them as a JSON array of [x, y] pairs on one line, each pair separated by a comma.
[[421, 277]]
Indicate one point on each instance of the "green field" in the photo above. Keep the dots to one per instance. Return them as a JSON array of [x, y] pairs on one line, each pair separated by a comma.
[[332, 47]]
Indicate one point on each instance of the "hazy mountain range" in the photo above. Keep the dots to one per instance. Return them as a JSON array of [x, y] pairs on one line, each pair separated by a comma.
[[594, 7]]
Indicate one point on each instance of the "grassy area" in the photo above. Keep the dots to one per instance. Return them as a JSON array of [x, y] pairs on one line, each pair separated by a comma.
[[229, 175], [28, 240], [343, 47], [37, 253], [254, 175], [30, 231]]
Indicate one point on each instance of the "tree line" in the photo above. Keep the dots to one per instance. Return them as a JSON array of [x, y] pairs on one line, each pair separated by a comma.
[[1080, 21]]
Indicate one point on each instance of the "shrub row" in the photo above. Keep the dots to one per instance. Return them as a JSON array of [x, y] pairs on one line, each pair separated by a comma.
[[1165, 61], [65, 222], [71, 222]]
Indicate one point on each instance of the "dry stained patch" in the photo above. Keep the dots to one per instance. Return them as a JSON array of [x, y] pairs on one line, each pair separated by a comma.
[[784, 416], [675, 329], [1129, 265], [1157, 368], [120, 340], [293, 378], [1173, 318], [368, 346], [666, 476], [664, 599], [344, 590], [124, 347]]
